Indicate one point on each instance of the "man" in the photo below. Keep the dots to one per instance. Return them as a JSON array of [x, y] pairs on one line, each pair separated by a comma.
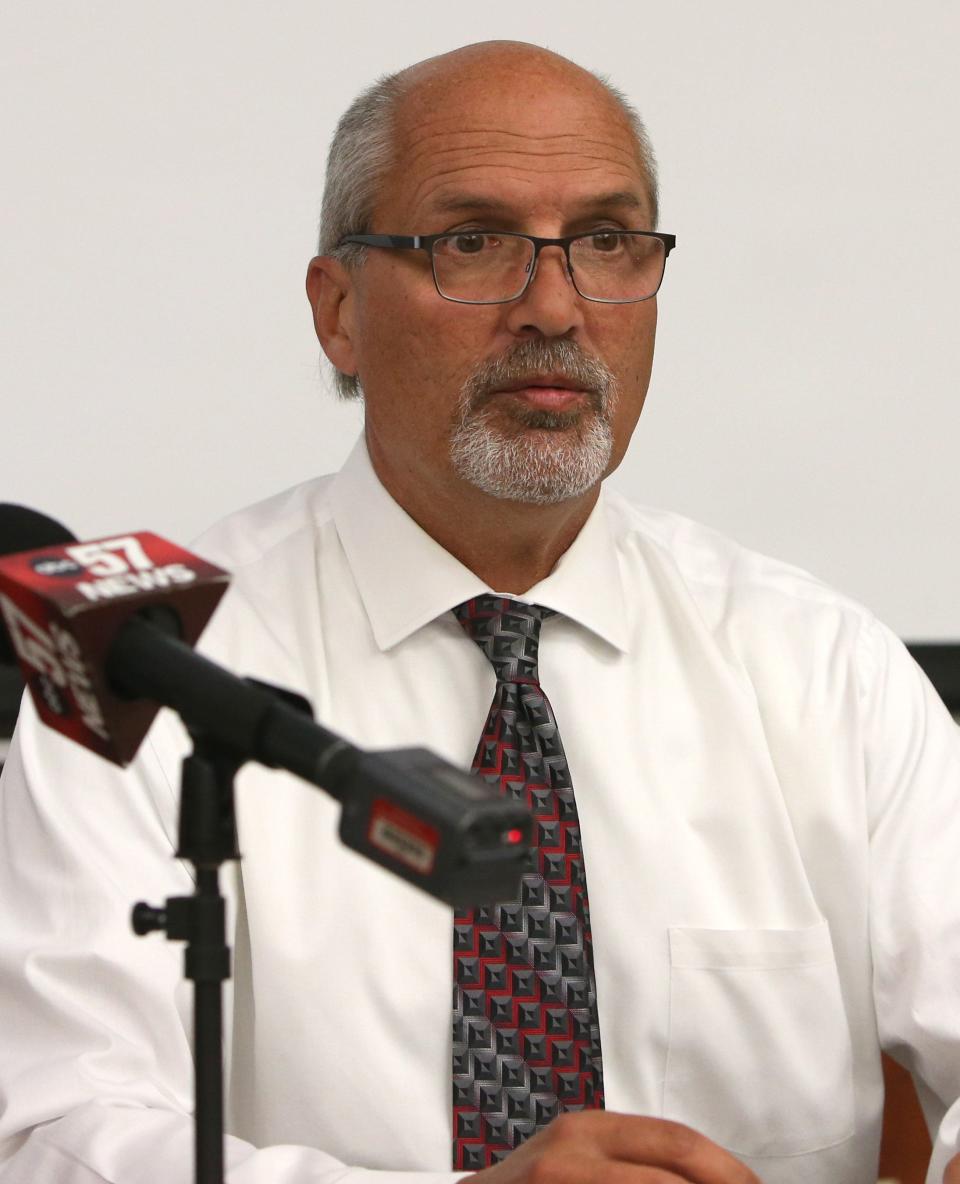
[[766, 787]]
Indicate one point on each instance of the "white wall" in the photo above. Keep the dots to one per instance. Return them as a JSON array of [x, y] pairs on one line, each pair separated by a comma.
[[162, 166]]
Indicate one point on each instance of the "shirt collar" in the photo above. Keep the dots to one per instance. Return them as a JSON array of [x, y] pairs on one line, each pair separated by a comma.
[[406, 579]]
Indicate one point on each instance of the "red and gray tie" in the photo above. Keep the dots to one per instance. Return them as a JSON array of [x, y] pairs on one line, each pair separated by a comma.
[[526, 1039]]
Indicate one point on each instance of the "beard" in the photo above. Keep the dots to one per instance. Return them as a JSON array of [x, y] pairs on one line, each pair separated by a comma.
[[526, 454]]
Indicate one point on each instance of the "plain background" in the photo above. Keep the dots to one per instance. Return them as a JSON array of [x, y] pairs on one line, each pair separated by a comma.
[[162, 169]]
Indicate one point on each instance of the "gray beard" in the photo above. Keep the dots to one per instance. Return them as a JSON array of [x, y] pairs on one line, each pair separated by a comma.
[[538, 457]]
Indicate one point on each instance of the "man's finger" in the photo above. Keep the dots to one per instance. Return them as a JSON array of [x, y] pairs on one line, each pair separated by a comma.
[[680, 1149], [656, 1143]]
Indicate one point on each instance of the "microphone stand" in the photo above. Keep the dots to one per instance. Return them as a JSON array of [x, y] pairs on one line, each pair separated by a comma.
[[476, 840], [208, 838]]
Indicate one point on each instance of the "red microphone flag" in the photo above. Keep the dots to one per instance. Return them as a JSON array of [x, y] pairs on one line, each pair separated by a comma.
[[63, 606]]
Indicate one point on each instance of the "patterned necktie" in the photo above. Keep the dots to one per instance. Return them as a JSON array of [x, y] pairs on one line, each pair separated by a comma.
[[526, 1040]]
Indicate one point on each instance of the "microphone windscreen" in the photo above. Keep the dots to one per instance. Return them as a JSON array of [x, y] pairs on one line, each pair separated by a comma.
[[23, 529]]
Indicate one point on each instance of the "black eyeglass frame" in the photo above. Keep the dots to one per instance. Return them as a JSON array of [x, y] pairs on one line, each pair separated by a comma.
[[425, 242]]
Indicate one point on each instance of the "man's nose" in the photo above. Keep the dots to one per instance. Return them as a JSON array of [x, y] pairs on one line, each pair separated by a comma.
[[551, 304]]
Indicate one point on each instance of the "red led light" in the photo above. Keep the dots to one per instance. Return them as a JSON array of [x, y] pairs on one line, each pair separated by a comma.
[[513, 836]]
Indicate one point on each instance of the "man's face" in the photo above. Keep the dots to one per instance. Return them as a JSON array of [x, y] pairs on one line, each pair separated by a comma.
[[479, 394]]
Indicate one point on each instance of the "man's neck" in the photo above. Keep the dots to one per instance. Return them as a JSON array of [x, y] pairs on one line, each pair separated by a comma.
[[515, 546], [510, 545]]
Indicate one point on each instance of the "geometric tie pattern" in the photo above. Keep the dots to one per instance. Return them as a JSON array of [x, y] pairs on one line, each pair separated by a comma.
[[526, 1039]]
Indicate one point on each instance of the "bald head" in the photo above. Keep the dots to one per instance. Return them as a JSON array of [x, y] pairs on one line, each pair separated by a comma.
[[536, 102], [499, 84], [509, 68]]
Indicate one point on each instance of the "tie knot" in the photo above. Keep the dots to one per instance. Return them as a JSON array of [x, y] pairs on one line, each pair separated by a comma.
[[508, 632]]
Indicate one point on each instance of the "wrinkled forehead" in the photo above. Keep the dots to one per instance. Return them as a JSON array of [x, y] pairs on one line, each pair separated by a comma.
[[510, 137]]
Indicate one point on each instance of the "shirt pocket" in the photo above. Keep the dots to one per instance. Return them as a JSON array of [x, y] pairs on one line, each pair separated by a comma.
[[759, 1056]]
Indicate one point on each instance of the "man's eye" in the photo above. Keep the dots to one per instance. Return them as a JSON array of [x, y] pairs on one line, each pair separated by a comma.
[[605, 242], [470, 243]]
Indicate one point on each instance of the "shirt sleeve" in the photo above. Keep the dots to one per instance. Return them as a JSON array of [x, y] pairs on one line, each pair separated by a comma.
[[96, 1075], [912, 753]]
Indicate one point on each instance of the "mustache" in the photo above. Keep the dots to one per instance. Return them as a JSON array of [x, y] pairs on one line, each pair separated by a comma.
[[528, 360]]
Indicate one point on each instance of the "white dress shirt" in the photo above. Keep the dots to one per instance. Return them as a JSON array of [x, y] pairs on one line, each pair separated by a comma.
[[769, 798]]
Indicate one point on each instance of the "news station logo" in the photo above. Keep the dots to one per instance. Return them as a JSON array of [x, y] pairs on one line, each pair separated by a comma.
[[111, 568], [55, 565], [54, 666]]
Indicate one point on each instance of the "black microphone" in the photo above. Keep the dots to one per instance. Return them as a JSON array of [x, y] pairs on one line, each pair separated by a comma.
[[103, 632], [22, 529]]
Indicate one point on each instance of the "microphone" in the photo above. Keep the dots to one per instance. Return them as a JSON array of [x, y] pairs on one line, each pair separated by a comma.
[[103, 632], [22, 529], [63, 602]]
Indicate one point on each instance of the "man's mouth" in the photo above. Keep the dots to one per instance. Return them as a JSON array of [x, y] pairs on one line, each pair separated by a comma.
[[550, 392]]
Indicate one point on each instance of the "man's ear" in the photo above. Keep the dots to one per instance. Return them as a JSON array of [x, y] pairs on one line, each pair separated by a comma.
[[330, 292]]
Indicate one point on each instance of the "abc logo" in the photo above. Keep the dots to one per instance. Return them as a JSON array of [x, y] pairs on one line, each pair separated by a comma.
[[55, 565]]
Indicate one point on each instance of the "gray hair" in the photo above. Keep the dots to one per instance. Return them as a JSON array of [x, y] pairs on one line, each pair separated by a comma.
[[361, 154]]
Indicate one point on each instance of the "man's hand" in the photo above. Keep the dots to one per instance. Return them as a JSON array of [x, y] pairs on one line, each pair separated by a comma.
[[597, 1147], [952, 1174]]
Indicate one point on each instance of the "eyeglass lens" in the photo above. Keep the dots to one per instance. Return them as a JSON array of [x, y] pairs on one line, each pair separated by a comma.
[[485, 268]]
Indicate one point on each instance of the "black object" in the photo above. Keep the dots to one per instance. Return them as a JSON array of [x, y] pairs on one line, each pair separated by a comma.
[[207, 838], [11, 690], [408, 809], [247, 719], [253, 720], [23, 529], [940, 662]]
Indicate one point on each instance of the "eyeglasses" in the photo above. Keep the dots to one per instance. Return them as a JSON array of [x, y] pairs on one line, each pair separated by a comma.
[[496, 266]]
